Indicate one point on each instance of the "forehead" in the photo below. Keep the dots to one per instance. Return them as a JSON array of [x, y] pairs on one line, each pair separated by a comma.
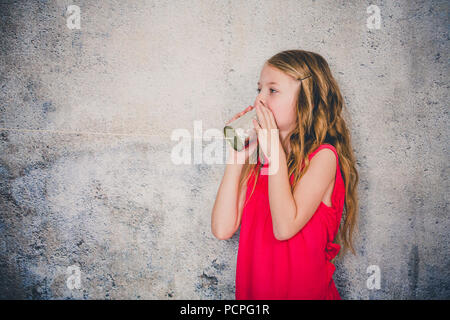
[[271, 75]]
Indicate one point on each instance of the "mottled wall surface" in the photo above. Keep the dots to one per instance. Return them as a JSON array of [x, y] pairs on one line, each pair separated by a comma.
[[86, 116]]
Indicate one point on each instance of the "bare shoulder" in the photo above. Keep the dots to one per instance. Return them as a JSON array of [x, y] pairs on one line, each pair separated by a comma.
[[325, 160]]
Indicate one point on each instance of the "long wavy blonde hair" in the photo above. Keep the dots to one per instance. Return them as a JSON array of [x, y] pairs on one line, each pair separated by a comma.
[[319, 121]]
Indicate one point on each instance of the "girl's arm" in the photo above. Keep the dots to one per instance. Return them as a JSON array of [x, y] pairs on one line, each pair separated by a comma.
[[292, 210], [227, 210]]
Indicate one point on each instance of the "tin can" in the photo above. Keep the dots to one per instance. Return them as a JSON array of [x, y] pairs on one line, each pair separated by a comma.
[[241, 131]]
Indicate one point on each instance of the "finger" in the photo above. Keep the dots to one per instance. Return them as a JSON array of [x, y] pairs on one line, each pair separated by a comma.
[[272, 119], [262, 117], [259, 116], [252, 134], [256, 125]]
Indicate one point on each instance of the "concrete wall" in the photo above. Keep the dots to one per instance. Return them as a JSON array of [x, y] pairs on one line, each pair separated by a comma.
[[87, 182]]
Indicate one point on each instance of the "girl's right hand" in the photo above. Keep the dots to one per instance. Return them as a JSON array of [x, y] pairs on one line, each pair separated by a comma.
[[239, 157]]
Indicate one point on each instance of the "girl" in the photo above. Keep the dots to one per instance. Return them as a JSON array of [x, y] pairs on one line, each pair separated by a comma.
[[290, 219]]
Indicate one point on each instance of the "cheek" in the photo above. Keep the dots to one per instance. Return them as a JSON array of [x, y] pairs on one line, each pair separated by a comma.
[[284, 117], [284, 111], [281, 116]]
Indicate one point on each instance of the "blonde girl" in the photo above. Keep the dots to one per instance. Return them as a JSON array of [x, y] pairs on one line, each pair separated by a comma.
[[295, 221]]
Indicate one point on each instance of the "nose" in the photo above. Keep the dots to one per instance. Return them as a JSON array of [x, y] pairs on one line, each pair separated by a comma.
[[260, 101]]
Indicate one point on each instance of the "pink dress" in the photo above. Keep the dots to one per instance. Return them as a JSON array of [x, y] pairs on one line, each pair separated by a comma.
[[293, 269]]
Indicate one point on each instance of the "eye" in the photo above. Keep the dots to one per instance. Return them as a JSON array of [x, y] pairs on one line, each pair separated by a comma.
[[258, 90]]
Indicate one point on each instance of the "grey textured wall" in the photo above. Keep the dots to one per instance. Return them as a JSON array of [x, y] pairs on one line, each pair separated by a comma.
[[86, 116]]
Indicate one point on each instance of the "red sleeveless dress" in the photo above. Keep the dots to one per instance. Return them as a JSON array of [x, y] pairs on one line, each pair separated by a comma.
[[299, 268]]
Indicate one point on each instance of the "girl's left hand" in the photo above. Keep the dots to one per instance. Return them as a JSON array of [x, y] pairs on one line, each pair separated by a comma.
[[267, 130]]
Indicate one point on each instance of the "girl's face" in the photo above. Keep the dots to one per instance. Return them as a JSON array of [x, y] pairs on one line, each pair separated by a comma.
[[278, 92]]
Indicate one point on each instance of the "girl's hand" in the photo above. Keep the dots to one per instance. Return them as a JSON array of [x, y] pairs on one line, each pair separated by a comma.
[[267, 130]]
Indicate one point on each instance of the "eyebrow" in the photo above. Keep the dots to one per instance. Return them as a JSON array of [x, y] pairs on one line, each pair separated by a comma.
[[269, 83]]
